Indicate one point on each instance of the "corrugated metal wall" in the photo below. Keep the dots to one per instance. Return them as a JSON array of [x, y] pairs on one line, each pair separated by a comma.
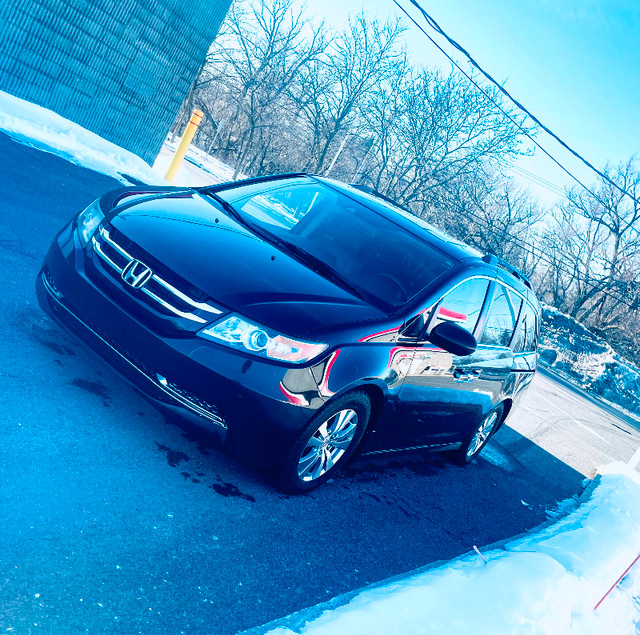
[[120, 68]]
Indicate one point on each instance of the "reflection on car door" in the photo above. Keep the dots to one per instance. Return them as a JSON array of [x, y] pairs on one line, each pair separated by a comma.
[[444, 396], [439, 390]]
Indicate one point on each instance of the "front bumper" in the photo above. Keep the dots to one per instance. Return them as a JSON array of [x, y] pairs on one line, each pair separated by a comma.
[[249, 400]]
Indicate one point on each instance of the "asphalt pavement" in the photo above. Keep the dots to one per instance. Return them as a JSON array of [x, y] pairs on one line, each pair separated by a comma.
[[115, 519]]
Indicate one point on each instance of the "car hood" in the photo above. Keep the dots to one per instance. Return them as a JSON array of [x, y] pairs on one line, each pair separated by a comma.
[[198, 241]]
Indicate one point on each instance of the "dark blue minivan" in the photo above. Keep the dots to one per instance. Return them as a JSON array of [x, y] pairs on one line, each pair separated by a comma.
[[304, 319]]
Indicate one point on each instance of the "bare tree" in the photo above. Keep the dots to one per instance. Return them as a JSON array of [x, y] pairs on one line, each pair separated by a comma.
[[329, 92], [493, 215], [591, 249], [434, 130], [613, 218], [264, 46]]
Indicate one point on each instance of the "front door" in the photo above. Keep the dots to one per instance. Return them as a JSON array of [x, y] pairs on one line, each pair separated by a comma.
[[441, 392]]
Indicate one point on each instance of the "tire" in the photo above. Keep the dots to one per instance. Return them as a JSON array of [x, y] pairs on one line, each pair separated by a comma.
[[477, 440], [326, 444]]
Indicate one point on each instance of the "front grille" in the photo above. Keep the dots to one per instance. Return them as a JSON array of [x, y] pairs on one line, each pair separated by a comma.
[[202, 407], [156, 291]]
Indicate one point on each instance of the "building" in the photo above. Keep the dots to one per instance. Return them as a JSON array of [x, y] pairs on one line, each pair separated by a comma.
[[120, 68]]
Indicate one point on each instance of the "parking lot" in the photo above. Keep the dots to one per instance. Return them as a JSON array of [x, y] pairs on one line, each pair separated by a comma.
[[116, 519]]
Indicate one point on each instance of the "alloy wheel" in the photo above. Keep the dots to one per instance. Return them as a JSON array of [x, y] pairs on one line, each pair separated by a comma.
[[481, 435], [327, 444]]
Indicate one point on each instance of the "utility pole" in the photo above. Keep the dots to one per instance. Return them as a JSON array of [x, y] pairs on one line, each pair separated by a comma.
[[364, 162], [335, 158]]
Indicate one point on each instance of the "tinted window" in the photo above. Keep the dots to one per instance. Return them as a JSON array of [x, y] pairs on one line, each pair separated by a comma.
[[526, 338], [463, 304], [370, 252], [501, 319]]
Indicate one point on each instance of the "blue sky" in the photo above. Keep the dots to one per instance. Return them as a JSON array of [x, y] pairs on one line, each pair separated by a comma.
[[574, 63]]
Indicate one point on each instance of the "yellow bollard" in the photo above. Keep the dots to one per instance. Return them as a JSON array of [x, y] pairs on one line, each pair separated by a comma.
[[181, 150]]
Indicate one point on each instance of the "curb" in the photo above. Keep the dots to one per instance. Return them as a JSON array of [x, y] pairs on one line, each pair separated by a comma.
[[297, 621]]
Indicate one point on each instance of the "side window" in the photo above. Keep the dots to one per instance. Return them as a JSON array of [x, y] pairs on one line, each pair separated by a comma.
[[526, 338], [463, 304], [501, 319]]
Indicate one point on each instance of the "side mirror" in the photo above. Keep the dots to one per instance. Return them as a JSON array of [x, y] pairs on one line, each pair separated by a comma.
[[453, 338]]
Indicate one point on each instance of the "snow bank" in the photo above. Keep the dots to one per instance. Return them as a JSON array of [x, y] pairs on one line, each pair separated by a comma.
[[571, 350], [547, 582], [36, 126], [197, 169]]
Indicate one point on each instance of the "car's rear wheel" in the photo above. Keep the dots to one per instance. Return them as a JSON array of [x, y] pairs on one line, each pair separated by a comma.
[[326, 444], [476, 442]]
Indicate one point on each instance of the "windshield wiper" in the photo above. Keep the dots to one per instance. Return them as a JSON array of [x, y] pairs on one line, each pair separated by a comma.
[[320, 267], [297, 252], [227, 207]]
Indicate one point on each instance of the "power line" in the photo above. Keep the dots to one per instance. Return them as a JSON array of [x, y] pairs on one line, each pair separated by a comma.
[[433, 24], [524, 171], [534, 178], [499, 107], [497, 104], [525, 246]]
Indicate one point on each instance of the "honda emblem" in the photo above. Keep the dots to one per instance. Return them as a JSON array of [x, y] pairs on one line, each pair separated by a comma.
[[136, 274]]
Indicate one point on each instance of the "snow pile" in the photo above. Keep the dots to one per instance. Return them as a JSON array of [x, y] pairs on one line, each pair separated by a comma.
[[42, 128], [214, 166], [571, 350], [547, 582]]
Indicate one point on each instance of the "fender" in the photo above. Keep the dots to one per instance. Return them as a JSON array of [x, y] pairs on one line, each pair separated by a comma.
[[353, 366]]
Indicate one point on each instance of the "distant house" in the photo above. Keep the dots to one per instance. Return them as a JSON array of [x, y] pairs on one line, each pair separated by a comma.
[[120, 68]]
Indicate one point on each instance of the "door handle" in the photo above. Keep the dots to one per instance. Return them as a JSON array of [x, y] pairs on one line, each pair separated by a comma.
[[466, 374]]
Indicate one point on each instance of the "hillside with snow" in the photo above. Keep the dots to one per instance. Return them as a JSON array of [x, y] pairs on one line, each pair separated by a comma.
[[571, 350]]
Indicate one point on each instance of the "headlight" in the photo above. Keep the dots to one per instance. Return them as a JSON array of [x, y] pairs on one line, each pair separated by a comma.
[[236, 332], [87, 222]]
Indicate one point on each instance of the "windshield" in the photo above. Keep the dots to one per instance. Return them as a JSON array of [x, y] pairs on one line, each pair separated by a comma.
[[369, 252]]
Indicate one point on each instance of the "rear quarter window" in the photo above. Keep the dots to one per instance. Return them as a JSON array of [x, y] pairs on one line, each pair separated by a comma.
[[526, 339]]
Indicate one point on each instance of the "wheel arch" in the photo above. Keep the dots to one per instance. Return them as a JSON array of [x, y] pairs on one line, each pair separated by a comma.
[[377, 397], [374, 389], [507, 405]]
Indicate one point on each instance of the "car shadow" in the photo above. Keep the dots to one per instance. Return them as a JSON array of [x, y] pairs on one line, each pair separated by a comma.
[[385, 516]]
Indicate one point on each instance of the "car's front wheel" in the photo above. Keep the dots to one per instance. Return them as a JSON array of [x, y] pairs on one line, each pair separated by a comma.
[[475, 443], [326, 444]]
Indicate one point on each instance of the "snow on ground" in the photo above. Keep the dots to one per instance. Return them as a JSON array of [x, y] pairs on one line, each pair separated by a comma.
[[197, 169], [571, 350], [36, 126], [547, 582], [42, 128]]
